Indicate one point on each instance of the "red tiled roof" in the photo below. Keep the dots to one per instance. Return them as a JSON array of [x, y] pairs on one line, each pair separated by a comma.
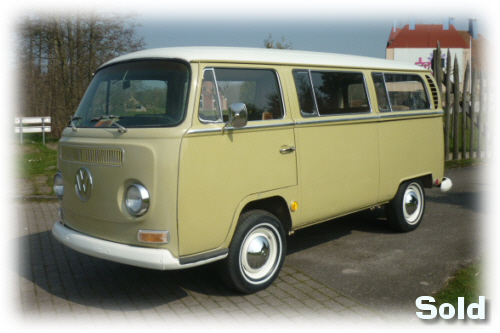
[[427, 36]]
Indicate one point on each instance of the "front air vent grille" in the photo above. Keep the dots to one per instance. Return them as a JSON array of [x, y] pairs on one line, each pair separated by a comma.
[[105, 156], [434, 91]]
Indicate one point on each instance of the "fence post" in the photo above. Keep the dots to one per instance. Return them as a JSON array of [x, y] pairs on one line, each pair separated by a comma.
[[465, 109], [456, 108], [447, 107], [43, 130], [473, 98], [438, 69], [483, 113], [21, 128]]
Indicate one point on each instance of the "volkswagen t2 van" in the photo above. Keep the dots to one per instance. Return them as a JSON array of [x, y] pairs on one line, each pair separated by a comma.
[[179, 157]]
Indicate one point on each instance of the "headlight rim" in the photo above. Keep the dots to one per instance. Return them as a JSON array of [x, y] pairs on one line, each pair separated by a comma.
[[144, 197], [58, 176]]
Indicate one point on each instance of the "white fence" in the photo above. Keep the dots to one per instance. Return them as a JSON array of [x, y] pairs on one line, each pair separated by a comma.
[[32, 125]]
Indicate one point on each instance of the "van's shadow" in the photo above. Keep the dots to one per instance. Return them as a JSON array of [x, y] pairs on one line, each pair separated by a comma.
[[93, 282], [366, 221], [98, 283]]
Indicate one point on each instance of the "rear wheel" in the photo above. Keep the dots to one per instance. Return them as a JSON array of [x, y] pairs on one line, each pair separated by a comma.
[[256, 253], [406, 211]]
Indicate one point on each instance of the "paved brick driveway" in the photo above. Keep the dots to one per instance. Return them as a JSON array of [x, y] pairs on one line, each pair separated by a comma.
[[59, 284]]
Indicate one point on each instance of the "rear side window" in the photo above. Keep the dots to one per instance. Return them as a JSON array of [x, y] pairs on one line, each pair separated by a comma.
[[330, 93], [259, 89], [405, 92]]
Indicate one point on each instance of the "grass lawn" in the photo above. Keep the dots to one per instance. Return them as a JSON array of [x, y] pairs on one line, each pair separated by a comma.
[[37, 163], [465, 283], [466, 162]]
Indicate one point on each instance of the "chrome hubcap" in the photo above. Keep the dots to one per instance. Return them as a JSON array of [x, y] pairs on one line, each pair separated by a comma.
[[412, 203], [260, 253]]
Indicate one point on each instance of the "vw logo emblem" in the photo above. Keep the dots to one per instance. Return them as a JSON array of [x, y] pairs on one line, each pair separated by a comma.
[[83, 184]]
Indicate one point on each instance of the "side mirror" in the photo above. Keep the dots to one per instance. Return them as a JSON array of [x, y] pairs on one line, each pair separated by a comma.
[[238, 116]]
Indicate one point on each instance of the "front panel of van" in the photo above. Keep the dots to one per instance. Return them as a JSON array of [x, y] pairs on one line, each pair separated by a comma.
[[127, 133], [150, 161]]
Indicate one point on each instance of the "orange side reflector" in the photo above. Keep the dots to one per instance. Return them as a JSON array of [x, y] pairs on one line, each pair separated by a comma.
[[153, 236]]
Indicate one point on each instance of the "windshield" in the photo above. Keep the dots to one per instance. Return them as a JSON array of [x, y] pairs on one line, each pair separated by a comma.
[[150, 93]]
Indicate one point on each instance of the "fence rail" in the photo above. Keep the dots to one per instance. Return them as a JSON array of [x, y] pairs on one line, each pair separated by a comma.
[[32, 125]]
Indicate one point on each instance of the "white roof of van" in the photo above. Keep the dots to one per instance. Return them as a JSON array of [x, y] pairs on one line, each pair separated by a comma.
[[264, 56]]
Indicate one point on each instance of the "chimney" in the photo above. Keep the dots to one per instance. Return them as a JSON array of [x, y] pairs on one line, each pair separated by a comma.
[[473, 28], [446, 24], [412, 24], [451, 22], [394, 26]]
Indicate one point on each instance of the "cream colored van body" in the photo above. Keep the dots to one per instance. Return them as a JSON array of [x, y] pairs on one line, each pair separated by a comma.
[[218, 183]]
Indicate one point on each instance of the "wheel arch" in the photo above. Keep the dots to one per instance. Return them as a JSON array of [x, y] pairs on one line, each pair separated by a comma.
[[426, 180], [275, 205]]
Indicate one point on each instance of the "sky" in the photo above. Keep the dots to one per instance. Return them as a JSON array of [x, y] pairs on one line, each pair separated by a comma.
[[365, 36], [358, 27]]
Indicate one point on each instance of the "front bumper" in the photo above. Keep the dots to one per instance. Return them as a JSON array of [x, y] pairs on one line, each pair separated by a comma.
[[160, 259]]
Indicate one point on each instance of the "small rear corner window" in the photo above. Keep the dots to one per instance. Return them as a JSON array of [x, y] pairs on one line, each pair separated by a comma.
[[406, 92]]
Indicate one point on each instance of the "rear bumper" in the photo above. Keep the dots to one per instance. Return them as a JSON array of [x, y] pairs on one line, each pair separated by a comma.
[[446, 184], [160, 259]]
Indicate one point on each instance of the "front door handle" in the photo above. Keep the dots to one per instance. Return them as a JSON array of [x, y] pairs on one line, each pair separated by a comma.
[[287, 150]]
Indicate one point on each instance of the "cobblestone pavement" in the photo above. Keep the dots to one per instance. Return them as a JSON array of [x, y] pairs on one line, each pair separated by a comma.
[[59, 284]]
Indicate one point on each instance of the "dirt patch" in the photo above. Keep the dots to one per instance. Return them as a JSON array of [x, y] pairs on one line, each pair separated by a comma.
[[24, 187], [52, 145], [25, 149], [41, 186]]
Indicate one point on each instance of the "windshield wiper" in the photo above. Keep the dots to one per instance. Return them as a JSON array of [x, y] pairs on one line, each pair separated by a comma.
[[112, 118], [73, 127]]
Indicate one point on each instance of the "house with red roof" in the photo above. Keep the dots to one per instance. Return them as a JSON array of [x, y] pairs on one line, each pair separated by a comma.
[[414, 43]]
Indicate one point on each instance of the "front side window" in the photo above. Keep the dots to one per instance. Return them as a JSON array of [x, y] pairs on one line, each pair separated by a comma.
[[257, 88], [209, 100], [405, 91], [331, 93], [136, 94]]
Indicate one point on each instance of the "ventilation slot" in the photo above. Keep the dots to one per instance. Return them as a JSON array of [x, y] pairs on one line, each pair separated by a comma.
[[106, 156], [434, 91]]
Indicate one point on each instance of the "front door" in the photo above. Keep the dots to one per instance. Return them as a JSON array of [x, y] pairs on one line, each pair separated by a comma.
[[220, 167]]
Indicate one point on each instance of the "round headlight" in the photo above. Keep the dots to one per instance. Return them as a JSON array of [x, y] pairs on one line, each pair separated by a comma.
[[58, 185], [137, 199]]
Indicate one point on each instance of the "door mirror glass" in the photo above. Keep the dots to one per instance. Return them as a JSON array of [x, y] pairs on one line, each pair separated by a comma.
[[238, 116]]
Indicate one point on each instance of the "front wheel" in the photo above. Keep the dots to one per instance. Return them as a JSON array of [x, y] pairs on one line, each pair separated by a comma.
[[256, 253], [406, 211]]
